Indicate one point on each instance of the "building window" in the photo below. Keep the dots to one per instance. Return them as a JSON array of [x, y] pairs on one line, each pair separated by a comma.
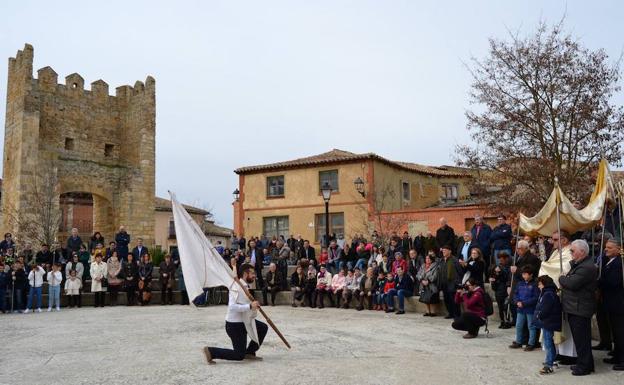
[[108, 150], [405, 188], [69, 144], [336, 225], [172, 233], [275, 226], [275, 186], [449, 192], [331, 177]]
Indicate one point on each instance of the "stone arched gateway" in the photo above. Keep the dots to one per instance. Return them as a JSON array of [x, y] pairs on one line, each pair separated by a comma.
[[87, 140]]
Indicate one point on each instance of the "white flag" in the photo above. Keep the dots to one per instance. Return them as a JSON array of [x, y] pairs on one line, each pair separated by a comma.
[[202, 265]]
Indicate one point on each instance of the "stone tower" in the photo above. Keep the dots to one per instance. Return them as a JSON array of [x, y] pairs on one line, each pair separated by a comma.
[[99, 144]]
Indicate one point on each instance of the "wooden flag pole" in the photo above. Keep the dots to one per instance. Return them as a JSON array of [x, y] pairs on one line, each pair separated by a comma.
[[266, 317]]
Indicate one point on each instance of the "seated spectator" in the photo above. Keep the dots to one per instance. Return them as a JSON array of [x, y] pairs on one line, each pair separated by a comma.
[[388, 285], [352, 288], [131, 277], [310, 286], [385, 265], [323, 257], [473, 317], [73, 285], [403, 288], [399, 261], [338, 284], [367, 290], [427, 278], [35, 280], [75, 264], [272, 284], [145, 280], [525, 296], [363, 256], [54, 279], [44, 256], [500, 280], [323, 286], [297, 285]]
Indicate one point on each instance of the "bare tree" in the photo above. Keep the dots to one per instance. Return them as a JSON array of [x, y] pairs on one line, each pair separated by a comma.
[[543, 109]]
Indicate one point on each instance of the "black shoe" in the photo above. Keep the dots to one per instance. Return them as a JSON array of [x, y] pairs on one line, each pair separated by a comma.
[[506, 325], [618, 367], [601, 347], [515, 345], [611, 353], [448, 317], [529, 348], [581, 372], [501, 326], [426, 315], [400, 312], [610, 361], [390, 310]]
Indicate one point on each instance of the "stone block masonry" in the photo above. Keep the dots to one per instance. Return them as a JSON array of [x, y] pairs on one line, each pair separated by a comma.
[[99, 144]]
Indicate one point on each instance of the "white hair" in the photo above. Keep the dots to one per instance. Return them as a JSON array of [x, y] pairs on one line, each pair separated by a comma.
[[524, 244], [582, 245]]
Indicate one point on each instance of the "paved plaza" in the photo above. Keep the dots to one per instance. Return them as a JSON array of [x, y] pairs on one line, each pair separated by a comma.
[[162, 345]]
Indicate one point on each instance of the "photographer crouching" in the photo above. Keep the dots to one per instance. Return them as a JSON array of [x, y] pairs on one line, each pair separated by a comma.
[[474, 315]]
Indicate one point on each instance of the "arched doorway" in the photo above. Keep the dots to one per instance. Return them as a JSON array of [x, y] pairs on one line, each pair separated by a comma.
[[87, 212]]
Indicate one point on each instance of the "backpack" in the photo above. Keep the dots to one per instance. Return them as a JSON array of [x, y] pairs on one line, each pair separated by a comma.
[[488, 304]]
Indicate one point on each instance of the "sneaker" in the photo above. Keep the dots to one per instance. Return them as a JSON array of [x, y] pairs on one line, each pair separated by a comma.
[[546, 370], [58, 308], [49, 309], [39, 310], [26, 311]]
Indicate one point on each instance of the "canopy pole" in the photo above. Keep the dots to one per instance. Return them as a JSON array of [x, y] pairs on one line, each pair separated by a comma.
[[558, 201], [515, 257], [602, 239]]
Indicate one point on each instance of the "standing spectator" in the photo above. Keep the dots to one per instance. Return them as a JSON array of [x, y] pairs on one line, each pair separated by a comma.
[[323, 283], [74, 242], [310, 286], [403, 288], [338, 284], [282, 257], [54, 279], [612, 293], [548, 317], [429, 244], [500, 281], [35, 280], [297, 286], [234, 242], [44, 256], [18, 282], [84, 256], [254, 254], [131, 276], [242, 243], [307, 252], [525, 296], [427, 277], [463, 250], [450, 280], [73, 285], [4, 283], [7, 243], [418, 244], [139, 250], [385, 264], [273, 284], [578, 299], [122, 240], [406, 243], [96, 242], [474, 317], [76, 265], [145, 280], [481, 233], [445, 235], [475, 266], [98, 275], [501, 237], [27, 253], [167, 279], [113, 274]]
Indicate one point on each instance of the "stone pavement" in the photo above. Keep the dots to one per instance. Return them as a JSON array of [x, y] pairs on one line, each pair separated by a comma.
[[162, 345]]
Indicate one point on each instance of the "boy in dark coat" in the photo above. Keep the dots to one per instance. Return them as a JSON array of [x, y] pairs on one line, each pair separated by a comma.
[[547, 316], [500, 279]]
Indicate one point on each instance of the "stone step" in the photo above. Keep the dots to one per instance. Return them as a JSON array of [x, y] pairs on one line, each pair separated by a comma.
[[88, 299]]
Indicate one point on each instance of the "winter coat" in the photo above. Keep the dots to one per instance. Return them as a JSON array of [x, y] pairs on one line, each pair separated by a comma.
[[548, 310], [502, 280], [527, 260], [98, 270], [145, 274], [456, 274], [21, 280], [73, 286], [121, 241], [612, 287], [473, 302], [578, 288], [168, 269], [297, 281], [501, 237], [476, 269], [527, 293], [113, 272], [273, 276], [73, 245], [445, 236], [130, 274], [404, 283], [35, 277], [483, 239], [431, 275]]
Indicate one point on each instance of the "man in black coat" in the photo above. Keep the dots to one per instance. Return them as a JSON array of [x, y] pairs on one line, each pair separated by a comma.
[[464, 248], [611, 284], [445, 236], [122, 240], [274, 281], [578, 296], [524, 258], [73, 242], [255, 259], [139, 250], [307, 252], [405, 243]]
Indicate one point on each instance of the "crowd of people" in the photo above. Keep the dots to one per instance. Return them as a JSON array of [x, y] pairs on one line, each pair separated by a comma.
[[68, 271], [545, 288]]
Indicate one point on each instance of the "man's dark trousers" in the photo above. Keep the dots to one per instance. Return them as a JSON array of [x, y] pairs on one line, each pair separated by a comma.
[[238, 334]]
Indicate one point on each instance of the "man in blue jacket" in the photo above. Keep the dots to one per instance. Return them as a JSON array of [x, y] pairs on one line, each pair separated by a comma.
[[403, 287], [481, 233], [500, 239]]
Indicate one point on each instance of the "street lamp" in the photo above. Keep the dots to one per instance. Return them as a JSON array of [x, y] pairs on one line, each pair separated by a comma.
[[326, 191], [359, 186], [236, 194]]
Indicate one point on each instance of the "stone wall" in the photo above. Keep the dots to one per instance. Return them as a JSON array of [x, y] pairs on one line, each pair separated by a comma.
[[97, 143]]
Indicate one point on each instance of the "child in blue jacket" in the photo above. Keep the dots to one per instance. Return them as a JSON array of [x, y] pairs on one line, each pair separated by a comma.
[[548, 317], [525, 296]]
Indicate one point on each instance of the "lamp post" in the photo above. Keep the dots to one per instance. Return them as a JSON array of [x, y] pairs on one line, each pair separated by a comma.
[[359, 186], [236, 194], [326, 191]]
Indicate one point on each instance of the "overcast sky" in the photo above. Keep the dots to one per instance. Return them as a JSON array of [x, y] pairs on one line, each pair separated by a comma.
[[250, 82]]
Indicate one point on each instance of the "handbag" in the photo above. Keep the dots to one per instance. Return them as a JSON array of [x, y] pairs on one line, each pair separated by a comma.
[[425, 295]]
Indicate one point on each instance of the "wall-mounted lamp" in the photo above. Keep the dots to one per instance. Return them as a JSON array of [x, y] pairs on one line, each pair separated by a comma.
[[359, 186]]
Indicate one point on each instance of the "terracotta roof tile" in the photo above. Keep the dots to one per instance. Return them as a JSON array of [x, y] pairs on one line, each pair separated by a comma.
[[162, 204]]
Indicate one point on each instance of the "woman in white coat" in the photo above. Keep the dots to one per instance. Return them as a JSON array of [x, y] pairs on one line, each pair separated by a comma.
[[99, 271]]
